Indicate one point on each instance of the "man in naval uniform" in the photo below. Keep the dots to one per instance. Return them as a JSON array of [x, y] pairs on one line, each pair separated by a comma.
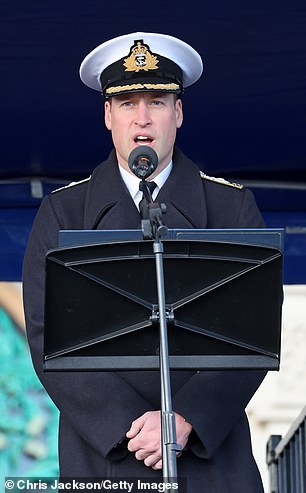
[[110, 421]]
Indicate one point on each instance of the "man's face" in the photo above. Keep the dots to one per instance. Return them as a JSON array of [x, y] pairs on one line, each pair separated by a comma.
[[144, 119]]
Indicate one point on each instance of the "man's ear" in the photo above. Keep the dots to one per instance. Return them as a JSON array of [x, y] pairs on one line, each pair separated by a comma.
[[179, 113], [107, 115]]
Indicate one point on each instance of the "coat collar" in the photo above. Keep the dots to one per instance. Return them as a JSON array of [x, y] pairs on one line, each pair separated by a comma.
[[110, 206]]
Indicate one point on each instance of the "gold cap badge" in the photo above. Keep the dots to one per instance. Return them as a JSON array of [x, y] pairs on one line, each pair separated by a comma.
[[140, 58]]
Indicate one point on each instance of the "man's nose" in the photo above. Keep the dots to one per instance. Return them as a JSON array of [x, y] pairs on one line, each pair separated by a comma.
[[143, 115]]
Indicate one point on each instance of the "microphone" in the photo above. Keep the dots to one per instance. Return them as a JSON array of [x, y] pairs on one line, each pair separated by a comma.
[[143, 161]]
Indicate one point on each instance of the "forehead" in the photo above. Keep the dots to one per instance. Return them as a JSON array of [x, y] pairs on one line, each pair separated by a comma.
[[137, 96]]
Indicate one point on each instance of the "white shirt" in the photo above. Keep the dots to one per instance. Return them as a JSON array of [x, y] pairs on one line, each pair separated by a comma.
[[132, 182]]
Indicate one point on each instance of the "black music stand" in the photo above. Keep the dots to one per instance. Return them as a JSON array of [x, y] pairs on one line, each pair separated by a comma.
[[223, 300], [113, 308]]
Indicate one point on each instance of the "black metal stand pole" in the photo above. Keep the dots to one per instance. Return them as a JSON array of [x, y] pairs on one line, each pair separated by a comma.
[[153, 228], [169, 445]]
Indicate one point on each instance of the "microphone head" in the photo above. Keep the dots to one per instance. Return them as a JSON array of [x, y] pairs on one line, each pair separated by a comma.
[[143, 161]]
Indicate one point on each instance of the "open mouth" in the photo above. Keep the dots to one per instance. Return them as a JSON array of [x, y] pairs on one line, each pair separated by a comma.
[[143, 140]]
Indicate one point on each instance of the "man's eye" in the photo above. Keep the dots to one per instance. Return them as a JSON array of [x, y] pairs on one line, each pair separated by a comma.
[[127, 103], [156, 102]]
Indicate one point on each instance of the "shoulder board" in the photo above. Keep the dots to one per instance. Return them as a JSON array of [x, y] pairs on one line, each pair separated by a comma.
[[72, 184], [221, 180]]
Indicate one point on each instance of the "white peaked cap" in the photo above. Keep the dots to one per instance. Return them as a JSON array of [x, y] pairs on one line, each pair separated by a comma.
[[170, 49]]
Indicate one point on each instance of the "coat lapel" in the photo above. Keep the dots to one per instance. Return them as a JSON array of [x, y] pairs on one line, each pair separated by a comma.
[[109, 204], [183, 193]]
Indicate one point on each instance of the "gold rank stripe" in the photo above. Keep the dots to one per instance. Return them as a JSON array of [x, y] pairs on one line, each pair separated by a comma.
[[72, 184], [222, 181], [137, 87]]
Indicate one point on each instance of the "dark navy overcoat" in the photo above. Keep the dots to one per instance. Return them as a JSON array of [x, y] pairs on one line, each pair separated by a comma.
[[96, 409]]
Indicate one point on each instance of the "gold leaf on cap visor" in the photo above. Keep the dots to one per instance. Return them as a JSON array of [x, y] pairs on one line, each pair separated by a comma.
[[140, 58], [148, 87]]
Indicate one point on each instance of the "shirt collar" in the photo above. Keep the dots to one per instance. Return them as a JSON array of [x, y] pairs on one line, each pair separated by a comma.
[[132, 182]]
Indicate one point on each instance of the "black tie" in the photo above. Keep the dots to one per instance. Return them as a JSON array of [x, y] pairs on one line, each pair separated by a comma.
[[143, 204]]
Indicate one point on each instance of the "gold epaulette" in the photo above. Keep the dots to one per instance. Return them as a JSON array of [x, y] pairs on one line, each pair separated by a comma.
[[72, 184], [222, 181]]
